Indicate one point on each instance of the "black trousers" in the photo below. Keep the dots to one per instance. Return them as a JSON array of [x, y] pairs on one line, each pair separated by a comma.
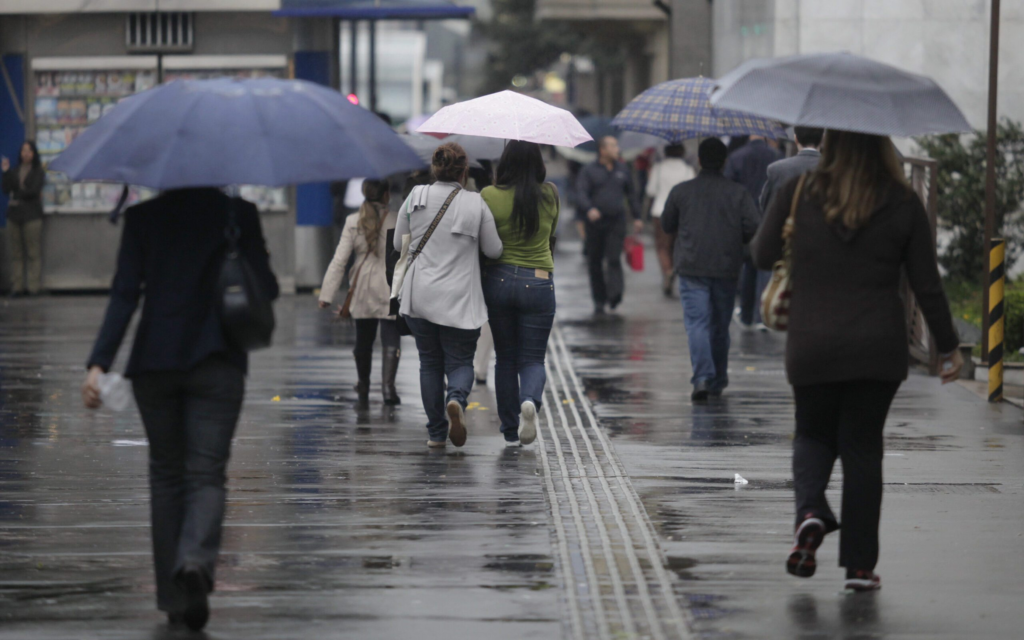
[[844, 420], [366, 334], [190, 419], [604, 260]]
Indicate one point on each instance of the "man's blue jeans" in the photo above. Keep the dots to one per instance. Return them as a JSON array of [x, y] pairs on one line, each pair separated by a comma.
[[521, 309], [444, 351], [707, 311]]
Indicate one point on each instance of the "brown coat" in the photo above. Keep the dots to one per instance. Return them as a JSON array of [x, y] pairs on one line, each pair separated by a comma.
[[846, 317]]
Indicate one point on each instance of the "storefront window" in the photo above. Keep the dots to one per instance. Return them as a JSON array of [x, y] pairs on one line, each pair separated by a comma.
[[66, 103]]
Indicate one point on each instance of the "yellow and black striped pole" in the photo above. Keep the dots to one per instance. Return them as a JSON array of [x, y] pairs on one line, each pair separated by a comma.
[[996, 318]]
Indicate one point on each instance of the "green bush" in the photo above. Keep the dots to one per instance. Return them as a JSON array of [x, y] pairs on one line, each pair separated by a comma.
[[1013, 307], [961, 186]]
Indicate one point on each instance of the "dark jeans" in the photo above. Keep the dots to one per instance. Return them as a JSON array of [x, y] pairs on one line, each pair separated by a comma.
[[843, 419], [707, 312], [752, 284], [521, 308], [604, 260], [190, 418], [444, 351]]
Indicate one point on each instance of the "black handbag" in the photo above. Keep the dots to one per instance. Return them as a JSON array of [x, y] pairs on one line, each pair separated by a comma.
[[246, 312]]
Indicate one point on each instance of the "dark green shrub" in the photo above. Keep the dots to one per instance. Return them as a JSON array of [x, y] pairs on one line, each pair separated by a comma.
[[1013, 307]]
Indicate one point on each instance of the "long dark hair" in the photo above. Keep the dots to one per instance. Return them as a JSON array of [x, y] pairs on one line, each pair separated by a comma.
[[522, 168], [36, 160]]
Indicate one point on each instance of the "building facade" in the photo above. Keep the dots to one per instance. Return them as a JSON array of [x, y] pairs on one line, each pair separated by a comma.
[[947, 41]]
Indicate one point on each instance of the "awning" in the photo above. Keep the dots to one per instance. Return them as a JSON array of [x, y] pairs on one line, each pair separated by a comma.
[[374, 9]]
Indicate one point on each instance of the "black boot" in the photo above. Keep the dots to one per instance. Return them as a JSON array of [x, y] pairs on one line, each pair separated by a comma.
[[389, 369], [364, 364]]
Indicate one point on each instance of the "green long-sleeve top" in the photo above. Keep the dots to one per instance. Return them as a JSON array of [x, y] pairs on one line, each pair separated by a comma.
[[532, 253]]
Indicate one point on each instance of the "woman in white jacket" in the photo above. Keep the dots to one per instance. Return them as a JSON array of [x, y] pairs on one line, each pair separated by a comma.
[[366, 235]]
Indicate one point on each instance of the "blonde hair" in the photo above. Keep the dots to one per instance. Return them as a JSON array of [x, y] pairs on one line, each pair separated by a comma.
[[371, 218], [854, 175]]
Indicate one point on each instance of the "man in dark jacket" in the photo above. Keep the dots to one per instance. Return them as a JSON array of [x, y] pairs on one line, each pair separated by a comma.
[[808, 139], [603, 190], [748, 166], [188, 378], [712, 217]]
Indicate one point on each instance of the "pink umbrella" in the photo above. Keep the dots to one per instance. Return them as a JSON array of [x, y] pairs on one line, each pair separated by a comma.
[[510, 116]]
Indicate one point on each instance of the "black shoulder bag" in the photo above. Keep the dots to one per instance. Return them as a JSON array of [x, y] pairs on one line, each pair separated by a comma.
[[246, 312], [403, 326]]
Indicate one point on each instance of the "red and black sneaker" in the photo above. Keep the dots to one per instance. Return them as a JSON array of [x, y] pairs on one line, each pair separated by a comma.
[[862, 581], [809, 534]]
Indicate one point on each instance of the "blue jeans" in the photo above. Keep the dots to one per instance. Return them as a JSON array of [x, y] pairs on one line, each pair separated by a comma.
[[444, 351], [707, 311], [521, 308]]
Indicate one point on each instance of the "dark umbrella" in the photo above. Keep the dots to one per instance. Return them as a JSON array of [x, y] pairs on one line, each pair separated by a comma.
[[197, 133]]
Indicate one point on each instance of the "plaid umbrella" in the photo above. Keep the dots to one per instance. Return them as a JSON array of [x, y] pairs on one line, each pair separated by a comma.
[[679, 109]]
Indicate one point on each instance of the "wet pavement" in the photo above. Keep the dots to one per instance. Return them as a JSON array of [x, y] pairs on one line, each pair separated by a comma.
[[622, 521], [952, 516]]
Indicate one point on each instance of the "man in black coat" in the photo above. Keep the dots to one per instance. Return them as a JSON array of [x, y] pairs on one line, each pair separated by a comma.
[[808, 139], [188, 378], [748, 166], [604, 188], [712, 218]]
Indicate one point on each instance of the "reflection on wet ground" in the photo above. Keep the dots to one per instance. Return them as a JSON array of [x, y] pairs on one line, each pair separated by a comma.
[[341, 524], [951, 515]]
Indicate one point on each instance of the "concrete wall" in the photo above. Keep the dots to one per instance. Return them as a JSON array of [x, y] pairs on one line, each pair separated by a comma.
[[944, 39]]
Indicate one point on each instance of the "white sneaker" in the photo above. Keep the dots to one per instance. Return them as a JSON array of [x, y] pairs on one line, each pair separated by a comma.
[[762, 327], [528, 422], [513, 444]]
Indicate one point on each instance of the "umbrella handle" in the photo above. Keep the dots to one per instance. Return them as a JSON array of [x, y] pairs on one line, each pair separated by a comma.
[[116, 213]]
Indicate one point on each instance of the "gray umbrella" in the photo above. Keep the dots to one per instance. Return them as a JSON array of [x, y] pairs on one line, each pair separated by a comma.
[[840, 91], [425, 145]]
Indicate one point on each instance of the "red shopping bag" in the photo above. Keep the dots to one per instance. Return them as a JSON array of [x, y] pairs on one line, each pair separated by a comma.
[[634, 249]]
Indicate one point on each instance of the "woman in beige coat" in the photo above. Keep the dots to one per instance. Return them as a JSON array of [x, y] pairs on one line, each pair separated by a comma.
[[366, 235]]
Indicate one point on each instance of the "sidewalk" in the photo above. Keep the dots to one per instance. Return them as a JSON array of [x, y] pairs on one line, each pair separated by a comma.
[[340, 524], [952, 516], [621, 522]]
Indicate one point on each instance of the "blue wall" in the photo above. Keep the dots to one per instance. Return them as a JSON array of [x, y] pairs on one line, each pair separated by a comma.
[[12, 129], [314, 206]]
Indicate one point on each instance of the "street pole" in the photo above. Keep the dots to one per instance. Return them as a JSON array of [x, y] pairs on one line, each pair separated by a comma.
[[373, 61], [353, 62], [990, 172]]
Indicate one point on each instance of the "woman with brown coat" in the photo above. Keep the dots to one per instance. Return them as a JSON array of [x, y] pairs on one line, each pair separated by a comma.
[[858, 227], [366, 234]]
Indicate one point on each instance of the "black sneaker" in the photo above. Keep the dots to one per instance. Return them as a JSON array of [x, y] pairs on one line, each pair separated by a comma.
[[862, 580], [614, 303], [809, 534], [599, 310], [197, 606], [700, 392]]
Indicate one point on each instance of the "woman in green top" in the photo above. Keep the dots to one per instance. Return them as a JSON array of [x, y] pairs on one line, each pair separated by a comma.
[[518, 286]]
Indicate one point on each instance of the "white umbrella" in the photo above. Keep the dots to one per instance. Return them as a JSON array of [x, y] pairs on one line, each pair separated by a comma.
[[509, 116], [840, 91]]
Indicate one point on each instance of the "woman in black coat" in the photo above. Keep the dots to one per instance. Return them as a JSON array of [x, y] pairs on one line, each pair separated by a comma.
[[188, 378], [23, 184]]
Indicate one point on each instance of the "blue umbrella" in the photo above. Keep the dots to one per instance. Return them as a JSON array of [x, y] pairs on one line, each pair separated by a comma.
[[197, 133], [679, 109]]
